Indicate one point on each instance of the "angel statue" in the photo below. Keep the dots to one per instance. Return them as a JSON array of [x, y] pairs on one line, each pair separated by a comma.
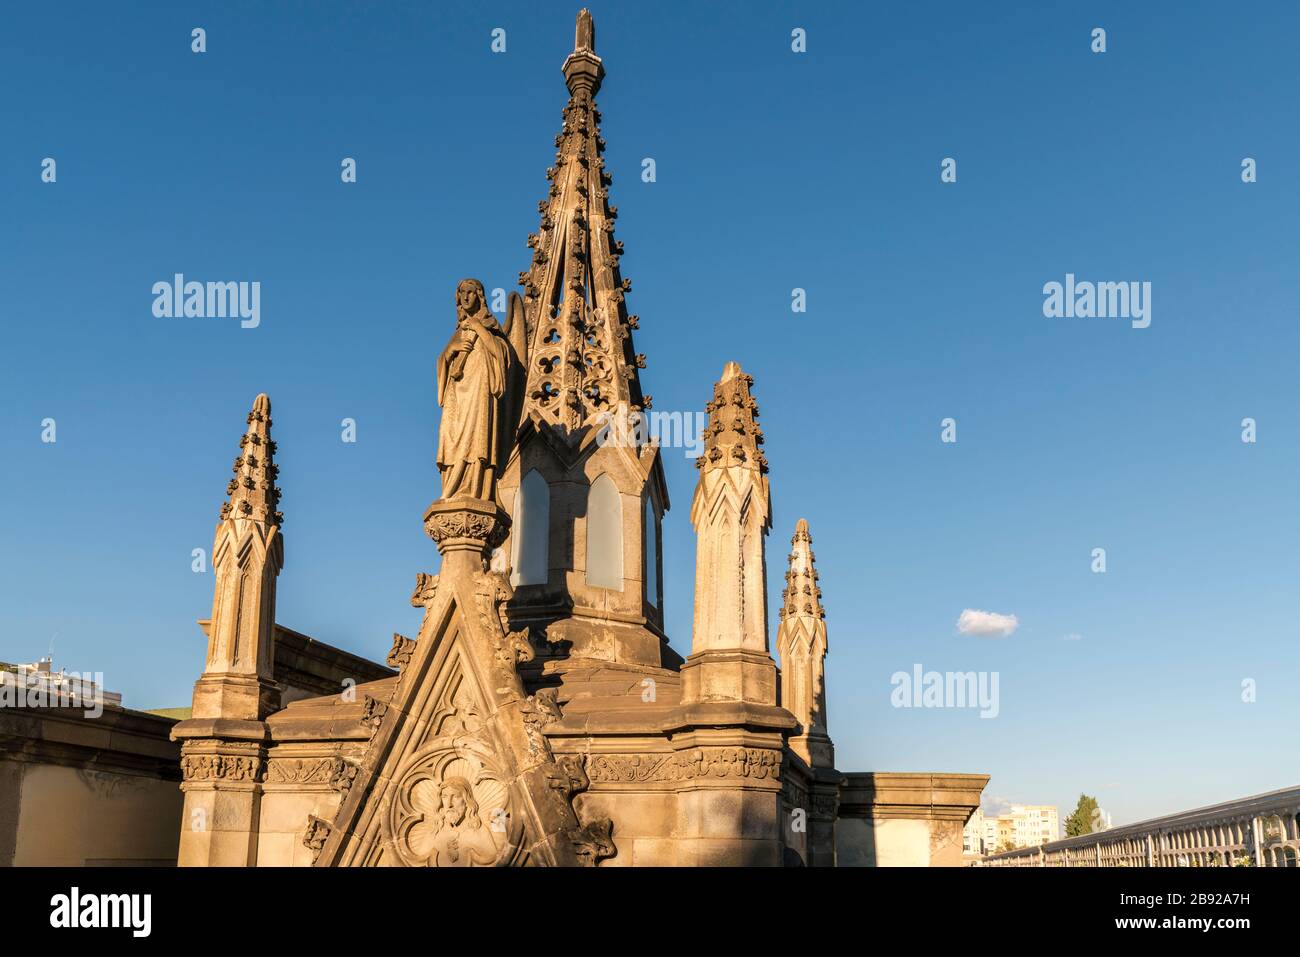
[[480, 394]]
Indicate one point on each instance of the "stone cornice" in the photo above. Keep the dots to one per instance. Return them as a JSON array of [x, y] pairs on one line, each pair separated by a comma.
[[119, 740], [913, 795]]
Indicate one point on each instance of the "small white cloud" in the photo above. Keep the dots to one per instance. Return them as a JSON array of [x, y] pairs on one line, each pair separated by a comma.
[[986, 624], [1073, 636], [992, 805]]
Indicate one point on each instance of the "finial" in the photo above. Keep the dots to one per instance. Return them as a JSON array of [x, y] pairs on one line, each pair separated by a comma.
[[732, 437], [802, 596], [585, 35], [583, 70]]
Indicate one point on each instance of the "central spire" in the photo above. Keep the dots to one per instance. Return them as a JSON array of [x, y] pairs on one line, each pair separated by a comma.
[[581, 363]]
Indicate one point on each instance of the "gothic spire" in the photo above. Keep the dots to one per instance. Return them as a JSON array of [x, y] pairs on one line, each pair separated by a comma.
[[247, 555], [801, 643], [252, 492], [802, 597], [581, 361]]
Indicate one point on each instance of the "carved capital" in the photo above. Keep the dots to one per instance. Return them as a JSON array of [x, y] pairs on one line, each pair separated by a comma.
[[466, 524]]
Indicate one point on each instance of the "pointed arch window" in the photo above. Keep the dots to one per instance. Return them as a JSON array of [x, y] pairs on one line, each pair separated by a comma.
[[605, 535], [650, 536], [530, 552]]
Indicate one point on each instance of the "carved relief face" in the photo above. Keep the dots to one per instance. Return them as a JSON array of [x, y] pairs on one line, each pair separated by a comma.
[[450, 806], [454, 805]]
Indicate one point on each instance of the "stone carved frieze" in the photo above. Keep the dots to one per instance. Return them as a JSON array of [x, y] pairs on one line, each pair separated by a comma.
[[332, 772], [221, 767], [689, 765], [303, 770]]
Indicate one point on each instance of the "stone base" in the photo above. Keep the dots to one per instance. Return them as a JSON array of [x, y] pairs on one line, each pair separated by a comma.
[[815, 748], [235, 697], [729, 676]]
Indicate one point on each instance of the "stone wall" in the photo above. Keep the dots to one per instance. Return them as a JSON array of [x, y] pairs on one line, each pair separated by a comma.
[[896, 819], [76, 790]]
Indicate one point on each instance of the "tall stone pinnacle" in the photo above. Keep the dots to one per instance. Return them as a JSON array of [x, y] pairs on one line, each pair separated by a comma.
[[731, 512], [801, 597], [252, 493], [581, 360], [247, 555], [802, 646]]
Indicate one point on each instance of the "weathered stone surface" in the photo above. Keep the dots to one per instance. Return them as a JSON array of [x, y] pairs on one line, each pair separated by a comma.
[[539, 715], [801, 643]]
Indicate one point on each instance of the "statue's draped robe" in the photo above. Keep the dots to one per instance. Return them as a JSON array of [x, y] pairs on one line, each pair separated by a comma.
[[469, 437]]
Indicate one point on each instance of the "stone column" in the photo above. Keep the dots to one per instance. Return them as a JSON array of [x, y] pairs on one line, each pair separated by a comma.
[[223, 754]]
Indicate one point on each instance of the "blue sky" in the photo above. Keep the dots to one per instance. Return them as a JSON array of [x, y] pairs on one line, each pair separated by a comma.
[[775, 170]]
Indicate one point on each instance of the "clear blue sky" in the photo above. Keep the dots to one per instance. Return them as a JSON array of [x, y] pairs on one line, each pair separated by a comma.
[[775, 170]]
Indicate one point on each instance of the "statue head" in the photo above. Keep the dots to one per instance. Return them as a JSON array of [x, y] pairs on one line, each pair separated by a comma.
[[470, 299], [456, 802]]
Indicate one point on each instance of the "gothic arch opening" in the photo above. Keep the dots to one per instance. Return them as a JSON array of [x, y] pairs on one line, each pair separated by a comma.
[[650, 536], [605, 535], [530, 527]]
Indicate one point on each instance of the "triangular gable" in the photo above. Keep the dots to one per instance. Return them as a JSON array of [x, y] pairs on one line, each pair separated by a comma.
[[458, 772]]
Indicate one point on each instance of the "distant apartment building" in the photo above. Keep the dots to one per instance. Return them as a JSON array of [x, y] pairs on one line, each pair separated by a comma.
[[1034, 824], [1025, 825], [37, 683], [972, 837]]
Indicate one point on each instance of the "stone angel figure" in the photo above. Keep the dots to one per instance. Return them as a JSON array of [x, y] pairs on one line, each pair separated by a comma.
[[480, 390]]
